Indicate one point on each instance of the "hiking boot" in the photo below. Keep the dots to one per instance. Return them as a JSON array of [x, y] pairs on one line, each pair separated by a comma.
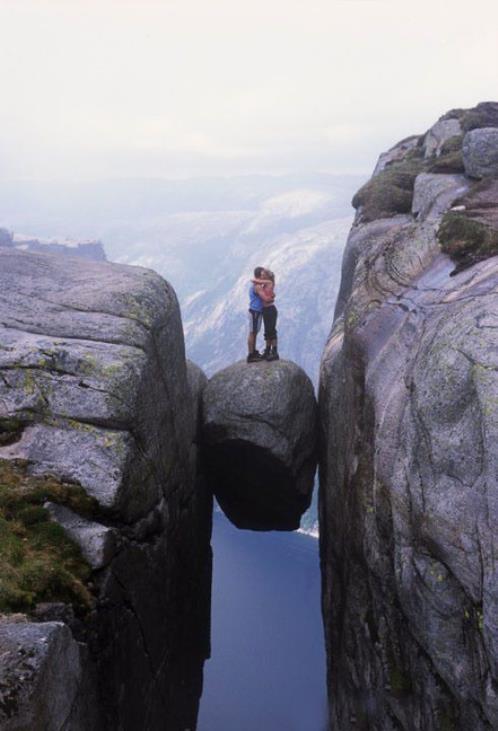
[[254, 357], [273, 354]]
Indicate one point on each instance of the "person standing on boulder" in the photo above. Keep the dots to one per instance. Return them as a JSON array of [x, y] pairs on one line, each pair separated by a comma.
[[255, 317], [265, 289]]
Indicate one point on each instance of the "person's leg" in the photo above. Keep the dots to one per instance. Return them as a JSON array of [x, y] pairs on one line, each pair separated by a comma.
[[266, 331], [271, 332], [254, 328], [274, 330]]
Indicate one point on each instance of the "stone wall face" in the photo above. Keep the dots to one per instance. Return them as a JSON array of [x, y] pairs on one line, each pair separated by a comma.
[[94, 391], [408, 490]]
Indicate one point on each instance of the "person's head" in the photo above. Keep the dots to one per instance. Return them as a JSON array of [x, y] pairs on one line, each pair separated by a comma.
[[258, 272], [267, 274]]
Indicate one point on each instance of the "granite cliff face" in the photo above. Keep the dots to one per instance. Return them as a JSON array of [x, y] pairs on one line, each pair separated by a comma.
[[409, 421], [96, 402]]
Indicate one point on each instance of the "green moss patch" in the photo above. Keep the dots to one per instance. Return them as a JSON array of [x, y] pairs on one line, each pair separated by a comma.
[[461, 236], [450, 159], [484, 114], [38, 562], [471, 234], [10, 431], [390, 192]]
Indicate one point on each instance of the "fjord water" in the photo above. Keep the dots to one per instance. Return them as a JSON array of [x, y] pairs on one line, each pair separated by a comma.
[[267, 666]]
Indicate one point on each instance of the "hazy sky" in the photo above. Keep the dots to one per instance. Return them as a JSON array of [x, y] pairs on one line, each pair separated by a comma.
[[184, 87]]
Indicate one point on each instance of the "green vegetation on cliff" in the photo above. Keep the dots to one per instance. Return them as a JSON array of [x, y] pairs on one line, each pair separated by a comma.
[[470, 233], [450, 160], [38, 562], [484, 114], [462, 236], [390, 192]]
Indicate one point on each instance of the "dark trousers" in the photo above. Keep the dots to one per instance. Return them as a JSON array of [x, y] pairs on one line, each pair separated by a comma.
[[270, 315]]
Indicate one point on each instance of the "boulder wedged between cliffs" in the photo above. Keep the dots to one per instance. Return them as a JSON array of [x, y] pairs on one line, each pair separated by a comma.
[[259, 440]]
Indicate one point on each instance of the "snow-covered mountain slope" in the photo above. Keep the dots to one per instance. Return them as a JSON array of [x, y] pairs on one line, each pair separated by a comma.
[[307, 265], [208, 255]]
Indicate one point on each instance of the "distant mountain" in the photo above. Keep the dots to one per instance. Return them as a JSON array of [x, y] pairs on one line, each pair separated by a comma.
[[88, 249], [208, 254], [307, 265]]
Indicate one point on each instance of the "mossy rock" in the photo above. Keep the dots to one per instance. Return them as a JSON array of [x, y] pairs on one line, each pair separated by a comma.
[[471, 234], [466, 239], [38, 562], [484, 114], [451, 163], [450, 160], [390, 192], [453, 144], [10, 430]]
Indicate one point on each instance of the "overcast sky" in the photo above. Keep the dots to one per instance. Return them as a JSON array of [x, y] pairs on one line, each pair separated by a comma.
[[184, 87]]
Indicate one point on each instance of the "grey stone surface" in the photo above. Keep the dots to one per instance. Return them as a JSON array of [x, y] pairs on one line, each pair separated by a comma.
[[93, 375], [80, 369], [361, 237], [408, 490], [98, 543], [433, 194], [396, 153], [440, 133], [197, 381], [45, 682], [260, 438], [480, 153]]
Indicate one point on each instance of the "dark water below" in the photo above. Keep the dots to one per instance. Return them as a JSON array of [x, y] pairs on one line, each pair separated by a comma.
[[267, 670]]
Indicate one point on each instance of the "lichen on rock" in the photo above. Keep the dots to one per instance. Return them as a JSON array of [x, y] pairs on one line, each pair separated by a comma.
[[480, 153]]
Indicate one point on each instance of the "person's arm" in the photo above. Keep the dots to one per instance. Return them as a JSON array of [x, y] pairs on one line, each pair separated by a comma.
[[267, 295]]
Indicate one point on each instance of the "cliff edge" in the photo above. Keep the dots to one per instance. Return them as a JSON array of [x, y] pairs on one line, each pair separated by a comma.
[[409, 423], [105, 519]]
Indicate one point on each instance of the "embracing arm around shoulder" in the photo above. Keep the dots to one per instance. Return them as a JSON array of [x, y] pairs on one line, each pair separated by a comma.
[[266, 293]]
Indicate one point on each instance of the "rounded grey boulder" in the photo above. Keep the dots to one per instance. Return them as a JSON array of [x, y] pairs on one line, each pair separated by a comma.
[[260, 443], [480, 152]]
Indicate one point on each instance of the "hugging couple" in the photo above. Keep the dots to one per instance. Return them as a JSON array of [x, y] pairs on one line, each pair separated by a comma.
[[262, 309]]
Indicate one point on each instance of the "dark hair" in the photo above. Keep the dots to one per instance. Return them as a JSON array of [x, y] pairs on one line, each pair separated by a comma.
[[258, 272]]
